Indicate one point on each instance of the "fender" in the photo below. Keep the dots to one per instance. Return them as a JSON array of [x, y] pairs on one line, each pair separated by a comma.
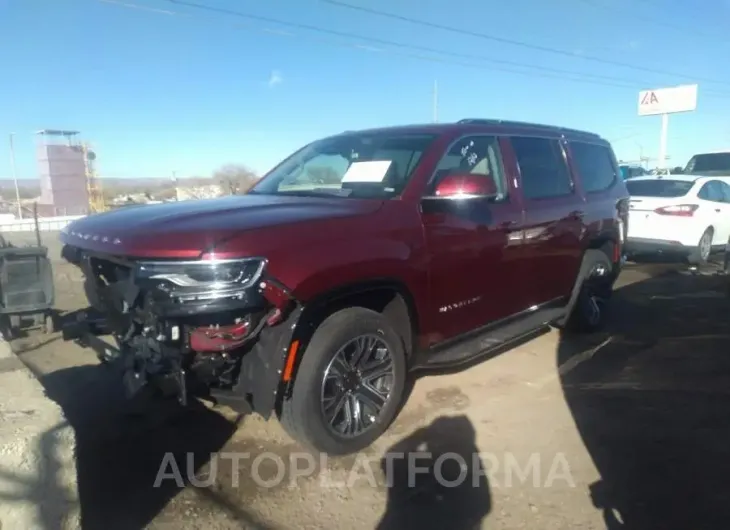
[[405, 319], [262, 383], [324, 269]]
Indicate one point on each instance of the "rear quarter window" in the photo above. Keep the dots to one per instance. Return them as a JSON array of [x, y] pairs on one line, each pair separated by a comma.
[[595, 166], [659, 188]]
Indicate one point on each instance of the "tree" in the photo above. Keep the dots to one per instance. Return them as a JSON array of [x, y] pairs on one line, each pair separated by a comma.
[[323, 175], [235, 178]]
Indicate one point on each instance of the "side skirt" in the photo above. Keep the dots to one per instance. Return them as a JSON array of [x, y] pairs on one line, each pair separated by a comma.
[[488, 341]]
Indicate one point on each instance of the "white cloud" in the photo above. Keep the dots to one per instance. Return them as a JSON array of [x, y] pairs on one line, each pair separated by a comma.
[[275, 78]]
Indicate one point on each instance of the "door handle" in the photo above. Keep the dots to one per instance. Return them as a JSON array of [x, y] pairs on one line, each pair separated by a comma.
[[718, 210]]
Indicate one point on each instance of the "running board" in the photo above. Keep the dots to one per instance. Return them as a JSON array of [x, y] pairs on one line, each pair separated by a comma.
[[493, 341]]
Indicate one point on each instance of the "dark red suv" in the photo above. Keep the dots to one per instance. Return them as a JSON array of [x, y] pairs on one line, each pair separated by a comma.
[[359, 259]]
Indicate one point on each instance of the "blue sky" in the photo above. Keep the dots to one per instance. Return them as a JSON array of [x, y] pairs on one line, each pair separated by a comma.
[[158, 87]]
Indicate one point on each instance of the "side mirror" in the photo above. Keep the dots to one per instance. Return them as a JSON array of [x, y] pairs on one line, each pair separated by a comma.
[[465, 186]]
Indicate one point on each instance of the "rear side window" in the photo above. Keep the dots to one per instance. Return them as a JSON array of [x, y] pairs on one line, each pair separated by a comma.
[[714, 190], [542, 168], [658, 188], [725, 189], [595, 166]]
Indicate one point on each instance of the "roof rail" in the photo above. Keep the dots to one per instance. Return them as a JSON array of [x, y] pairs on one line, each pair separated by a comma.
[[528, 125]]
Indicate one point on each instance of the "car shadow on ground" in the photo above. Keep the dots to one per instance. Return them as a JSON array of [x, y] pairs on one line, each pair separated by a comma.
[[435, 479], [121, 447], [652, 405]]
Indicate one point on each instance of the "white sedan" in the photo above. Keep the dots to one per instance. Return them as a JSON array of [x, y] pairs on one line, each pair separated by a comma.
[[679, 215]]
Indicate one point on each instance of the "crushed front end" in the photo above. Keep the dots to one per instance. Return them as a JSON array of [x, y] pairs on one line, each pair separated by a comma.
[[209, 328]]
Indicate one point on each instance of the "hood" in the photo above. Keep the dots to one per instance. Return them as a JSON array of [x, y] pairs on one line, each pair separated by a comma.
[[184, 229]]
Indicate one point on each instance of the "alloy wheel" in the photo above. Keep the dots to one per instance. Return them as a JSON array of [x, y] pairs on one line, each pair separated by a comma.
[[356, 385], [705, 246]]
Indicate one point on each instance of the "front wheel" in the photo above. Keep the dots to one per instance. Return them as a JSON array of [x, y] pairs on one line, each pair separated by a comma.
[[349, 384]]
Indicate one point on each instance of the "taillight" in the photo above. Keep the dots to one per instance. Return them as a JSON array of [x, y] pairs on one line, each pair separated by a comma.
[[680, 210]]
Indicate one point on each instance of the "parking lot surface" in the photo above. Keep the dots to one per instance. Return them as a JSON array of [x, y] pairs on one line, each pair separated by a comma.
[[625, 429]]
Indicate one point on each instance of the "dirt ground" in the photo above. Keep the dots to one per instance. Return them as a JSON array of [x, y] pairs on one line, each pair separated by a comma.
[[626, 429]]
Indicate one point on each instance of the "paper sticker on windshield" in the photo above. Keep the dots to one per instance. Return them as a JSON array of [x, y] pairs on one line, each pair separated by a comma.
[[371, 171]]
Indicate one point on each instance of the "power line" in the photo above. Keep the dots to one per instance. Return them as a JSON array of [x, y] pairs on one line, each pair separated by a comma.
[[140, 7], [513, 42], [533, 70], [396, 44], [661, 23]]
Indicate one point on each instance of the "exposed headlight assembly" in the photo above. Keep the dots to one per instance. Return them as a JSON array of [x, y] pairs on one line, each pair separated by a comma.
[[203, 278]]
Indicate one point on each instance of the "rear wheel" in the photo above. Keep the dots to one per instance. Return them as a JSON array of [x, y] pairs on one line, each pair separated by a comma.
[[701, 253], [349, 384], [589, 304]]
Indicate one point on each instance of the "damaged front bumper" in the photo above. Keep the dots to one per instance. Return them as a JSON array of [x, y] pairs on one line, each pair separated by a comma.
[[230, 348]]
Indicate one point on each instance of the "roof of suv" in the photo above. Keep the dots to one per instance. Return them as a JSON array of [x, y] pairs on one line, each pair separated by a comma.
[[477, 123]]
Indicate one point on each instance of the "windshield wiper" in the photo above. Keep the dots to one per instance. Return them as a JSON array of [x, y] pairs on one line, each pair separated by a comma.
[[317, 192]]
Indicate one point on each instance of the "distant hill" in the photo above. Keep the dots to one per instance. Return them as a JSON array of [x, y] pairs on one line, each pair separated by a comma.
[[117, 182], [31, 187]]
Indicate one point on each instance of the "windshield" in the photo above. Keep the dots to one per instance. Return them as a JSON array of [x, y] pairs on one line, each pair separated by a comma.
[[710, 163], [357, 165], [659, 188]]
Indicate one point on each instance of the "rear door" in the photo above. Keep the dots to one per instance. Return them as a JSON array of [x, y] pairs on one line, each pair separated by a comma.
[[605, 192], [553, 218]]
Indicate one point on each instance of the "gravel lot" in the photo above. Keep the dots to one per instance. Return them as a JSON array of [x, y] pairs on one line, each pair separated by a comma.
[[627, 429]]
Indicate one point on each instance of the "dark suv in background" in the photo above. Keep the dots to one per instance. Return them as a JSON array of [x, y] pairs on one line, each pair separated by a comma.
[[360, 258], [709, 164]]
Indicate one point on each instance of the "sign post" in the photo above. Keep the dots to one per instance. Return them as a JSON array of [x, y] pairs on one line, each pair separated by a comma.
[[663, 140], [666, 101]]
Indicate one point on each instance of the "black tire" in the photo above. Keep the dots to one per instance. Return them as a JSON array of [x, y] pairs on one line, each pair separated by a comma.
[[726, 267], [302, 415], [588, 305], [698, 256]]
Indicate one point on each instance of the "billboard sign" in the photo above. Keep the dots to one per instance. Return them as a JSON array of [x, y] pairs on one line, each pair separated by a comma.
[[668, 100]]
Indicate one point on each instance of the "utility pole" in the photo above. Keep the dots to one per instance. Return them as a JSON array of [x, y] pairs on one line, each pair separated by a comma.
[[641, 154], [663, 141], [15, 176], [174, 183], [435, 102]]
